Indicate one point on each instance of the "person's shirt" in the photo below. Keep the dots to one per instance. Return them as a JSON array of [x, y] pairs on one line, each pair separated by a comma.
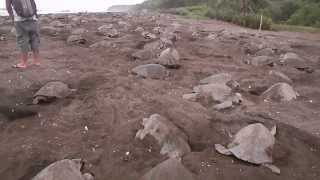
[[15, 16]]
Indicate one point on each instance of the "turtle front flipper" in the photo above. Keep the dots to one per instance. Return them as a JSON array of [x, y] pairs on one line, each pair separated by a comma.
[[274, 130], [273, 168], [38, 99], [222, 150]]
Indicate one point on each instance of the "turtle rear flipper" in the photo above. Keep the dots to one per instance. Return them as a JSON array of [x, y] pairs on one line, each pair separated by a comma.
[[222, 150], [273, 168]]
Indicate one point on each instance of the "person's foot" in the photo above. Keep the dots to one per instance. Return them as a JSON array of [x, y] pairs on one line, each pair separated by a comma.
[[20, 66]]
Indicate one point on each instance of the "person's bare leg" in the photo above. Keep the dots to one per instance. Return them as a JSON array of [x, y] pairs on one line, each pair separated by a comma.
[[24, 59], [36, 60]]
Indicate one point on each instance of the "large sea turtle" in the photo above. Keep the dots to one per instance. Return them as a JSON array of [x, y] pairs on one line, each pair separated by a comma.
[[64, 170], [51, 91], [169, 58], [152, 71], [172, 140], [171, 169], [280, 92], [254, 144]]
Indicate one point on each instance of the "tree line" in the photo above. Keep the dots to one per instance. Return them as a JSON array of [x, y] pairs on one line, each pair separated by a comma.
[[294, 12]]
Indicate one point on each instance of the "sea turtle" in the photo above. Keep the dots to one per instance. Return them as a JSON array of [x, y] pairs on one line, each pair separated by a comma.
[[221, 78], [108, 30], [294, 60], [280, 92], [263, 61], [148, 35], [169, 58], [64, 170], [76, 39], [254, 144], [152, 71], [171, 169], [103, 30], [78, 31], [51, 91], [172, 140]]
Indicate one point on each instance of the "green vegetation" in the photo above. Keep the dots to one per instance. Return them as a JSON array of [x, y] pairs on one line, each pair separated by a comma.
[[246, 12]]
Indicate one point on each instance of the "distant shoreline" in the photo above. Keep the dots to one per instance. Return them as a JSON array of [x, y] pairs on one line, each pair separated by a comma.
[[115, 8], [3, 12]]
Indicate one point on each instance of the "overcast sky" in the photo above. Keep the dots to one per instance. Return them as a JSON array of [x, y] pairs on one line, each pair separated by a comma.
[[76, 5]]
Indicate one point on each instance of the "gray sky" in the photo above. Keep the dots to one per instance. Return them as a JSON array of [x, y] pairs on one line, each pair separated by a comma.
[[76, 5]]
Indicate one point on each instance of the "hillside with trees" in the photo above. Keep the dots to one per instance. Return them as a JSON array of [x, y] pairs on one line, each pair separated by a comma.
[[246, 12]]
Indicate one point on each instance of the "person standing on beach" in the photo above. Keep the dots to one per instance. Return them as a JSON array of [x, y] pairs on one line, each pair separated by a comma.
[[25, 17]]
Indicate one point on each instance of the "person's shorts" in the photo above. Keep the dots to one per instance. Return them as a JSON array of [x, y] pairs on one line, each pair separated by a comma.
[[28, 37]]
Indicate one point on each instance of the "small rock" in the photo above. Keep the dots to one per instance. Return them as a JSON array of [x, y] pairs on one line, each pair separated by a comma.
[[153, 71], [280, 92]]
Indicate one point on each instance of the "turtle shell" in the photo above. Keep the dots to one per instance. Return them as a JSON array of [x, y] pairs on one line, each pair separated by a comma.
[[63, 170], [280, 92], [169, 58], [253, 144], [170, 169], [153, 71], [54, 90]]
